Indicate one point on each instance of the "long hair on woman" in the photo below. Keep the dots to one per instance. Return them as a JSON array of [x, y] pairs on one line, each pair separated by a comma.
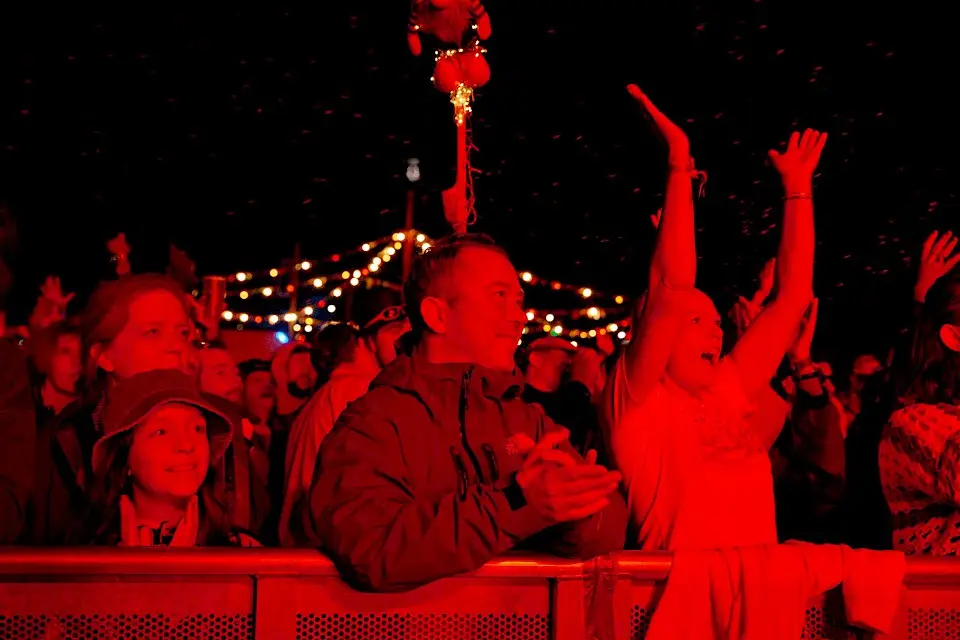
[[100, 525], [935, 368]]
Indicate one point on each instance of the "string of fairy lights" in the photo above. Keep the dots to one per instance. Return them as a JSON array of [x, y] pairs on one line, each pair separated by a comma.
[[321, 292]]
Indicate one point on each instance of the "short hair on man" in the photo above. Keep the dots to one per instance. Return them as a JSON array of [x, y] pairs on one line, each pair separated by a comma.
[[432, 268]]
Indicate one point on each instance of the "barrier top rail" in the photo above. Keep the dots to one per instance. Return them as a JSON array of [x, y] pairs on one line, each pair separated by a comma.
[[66, 561]]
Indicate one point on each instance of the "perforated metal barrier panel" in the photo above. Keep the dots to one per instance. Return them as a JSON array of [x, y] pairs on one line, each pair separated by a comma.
[[169, 608], [276, 595], [121, 627], [437, 626]]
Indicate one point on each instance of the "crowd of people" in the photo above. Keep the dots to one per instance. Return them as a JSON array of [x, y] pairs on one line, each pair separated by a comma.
[[421, 442]]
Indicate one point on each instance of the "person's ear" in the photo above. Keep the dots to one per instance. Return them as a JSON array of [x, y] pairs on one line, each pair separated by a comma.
[[101, 356], [950, 337], [436, 314]]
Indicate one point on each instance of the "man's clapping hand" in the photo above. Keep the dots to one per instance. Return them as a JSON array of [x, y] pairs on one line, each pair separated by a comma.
[[559, 486]]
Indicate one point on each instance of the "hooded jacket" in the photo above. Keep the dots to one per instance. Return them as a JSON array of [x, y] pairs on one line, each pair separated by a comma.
[[416, 481]]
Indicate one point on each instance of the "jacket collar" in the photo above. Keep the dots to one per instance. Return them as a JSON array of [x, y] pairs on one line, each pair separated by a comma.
[[414, 373]]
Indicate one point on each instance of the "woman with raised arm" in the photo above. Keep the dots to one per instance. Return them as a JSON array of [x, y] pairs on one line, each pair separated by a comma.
[[697, 476]]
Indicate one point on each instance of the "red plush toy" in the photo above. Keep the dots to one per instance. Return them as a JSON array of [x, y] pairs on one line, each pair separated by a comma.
[[451, 22]]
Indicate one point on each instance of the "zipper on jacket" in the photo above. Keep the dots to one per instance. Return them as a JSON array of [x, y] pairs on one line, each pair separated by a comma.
[[464, 391]]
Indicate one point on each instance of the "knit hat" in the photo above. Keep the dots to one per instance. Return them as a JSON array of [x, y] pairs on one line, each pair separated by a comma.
[[132, 399]]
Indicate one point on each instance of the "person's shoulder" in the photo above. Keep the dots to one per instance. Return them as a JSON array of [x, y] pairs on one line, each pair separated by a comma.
[[13, 364], [379, 407]]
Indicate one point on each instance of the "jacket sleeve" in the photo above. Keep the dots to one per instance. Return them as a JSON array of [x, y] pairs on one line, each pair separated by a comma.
[[382, 534], [18, 430], [601, 533]]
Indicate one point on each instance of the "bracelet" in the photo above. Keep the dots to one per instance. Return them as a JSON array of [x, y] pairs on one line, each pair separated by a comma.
[[798, 195]]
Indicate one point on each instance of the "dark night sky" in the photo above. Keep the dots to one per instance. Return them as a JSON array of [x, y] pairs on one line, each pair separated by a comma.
[[237, 133]]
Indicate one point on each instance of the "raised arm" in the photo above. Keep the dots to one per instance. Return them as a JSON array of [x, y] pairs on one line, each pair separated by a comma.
[[759, 352], [673, 270]]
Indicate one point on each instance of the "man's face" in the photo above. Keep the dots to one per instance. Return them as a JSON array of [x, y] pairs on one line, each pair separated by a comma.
[[219, 375], [65, 363], [300, 373], [260, 393], [484, 314]]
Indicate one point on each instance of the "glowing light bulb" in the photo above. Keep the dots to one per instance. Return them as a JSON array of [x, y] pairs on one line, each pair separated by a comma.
[[332, 308], [549, 317], [526, 276], [421, 237], [282, 338], [426, 246], [308, 311], [297, 327], [593, 333], [273, 319], [244, 295], [618, 299], [557, 330], [530, 316], [345, 275], [574, 343], [241, 277], [398, 236], [586, 293], [274, 273], [386, 258], [397, 245], [374, 267], [612, 327], [356, 274], [267, 292], [289, 317], [228, 315], [318, 282], [376, 260], [391, 251], [308, 328], [244, 317], [337, 292], [526, 330], [365, 247], [308, 321], [622, 335], [519, 342], [354, 282], [305, 265], [547, 328], [593, 312]]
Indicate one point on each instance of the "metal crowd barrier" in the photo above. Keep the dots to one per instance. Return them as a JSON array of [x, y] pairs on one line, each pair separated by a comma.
[[247, 594]]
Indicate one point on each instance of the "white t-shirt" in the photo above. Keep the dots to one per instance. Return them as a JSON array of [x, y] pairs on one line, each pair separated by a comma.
[[696, 475]]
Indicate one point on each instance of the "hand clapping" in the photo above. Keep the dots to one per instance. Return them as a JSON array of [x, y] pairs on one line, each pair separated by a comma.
[[557, 485]]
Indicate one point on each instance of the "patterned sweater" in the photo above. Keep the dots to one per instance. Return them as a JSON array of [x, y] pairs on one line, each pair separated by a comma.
[[920, 473]]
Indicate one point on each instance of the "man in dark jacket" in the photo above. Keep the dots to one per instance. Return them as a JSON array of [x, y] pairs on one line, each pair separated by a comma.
[[441, 466]]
